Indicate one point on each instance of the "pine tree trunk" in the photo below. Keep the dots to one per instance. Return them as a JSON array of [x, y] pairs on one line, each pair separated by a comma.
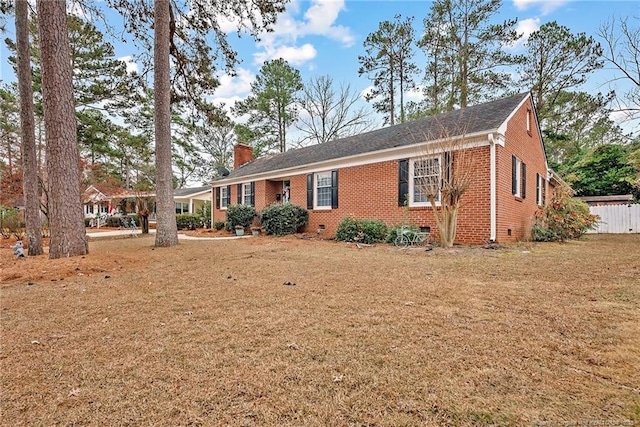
[[66, 218], [166, 229], [33, 222]]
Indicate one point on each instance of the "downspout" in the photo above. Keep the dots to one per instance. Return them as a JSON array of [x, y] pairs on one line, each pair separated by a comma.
[[492, 188]]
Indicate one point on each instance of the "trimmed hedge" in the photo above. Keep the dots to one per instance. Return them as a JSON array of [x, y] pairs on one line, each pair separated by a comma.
[[218, 225], [361, 230], [281, 219]]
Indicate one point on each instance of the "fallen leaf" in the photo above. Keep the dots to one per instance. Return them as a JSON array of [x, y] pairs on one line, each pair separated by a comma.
[[74, 392]]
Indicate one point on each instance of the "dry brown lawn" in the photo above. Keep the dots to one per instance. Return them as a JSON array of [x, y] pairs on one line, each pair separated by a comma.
[[206, 333]]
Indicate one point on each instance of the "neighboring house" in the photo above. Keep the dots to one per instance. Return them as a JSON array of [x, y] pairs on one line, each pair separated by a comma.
[[97, 200], [371, 175], [190, 200], [100, 200]]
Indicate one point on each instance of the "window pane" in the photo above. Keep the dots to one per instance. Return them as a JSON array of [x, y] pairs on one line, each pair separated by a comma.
[[324, 180], [418, 195], [323, 196]]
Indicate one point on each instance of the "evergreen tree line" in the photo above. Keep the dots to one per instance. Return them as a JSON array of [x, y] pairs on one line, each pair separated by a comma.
[[467, 59]]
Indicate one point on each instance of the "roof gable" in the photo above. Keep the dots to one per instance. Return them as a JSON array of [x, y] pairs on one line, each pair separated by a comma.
[[471, 120]]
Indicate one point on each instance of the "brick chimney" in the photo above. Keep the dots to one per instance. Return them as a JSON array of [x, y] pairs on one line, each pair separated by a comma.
[[242, 154]]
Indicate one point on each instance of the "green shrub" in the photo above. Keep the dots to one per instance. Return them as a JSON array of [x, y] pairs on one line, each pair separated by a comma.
[[218, 225], [393, 232], [240, 215], [361, 230], [281, 219], [562, 219], [204, 212], [188, 221]]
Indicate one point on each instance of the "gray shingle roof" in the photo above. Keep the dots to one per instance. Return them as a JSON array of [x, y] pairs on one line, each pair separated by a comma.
[[478, 118], [185, 192]]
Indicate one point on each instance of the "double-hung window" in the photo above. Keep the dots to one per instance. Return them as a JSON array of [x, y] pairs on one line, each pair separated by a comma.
[[540, 184], [518, 177], [247, 194], [425, 180], [323, 190], [224, 197]]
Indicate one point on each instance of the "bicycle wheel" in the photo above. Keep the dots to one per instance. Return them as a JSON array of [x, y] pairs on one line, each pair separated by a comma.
[[402, 240]]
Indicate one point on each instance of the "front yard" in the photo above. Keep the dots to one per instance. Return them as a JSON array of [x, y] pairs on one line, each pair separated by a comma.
[[275, 331]]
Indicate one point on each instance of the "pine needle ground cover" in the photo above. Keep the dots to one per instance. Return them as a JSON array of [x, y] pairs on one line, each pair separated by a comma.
[[272, 331]]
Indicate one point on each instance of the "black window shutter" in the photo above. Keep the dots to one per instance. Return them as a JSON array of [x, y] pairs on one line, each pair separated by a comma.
[[543, 182], [514, 179], [228, 195], [334, 189], [253, 193], [537, 188], [447, 167], [523, 169], [310, 191], [217, 197], [403, 181], [239, 186]]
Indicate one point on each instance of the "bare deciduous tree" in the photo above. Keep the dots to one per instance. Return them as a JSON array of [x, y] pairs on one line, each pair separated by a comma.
[[329, 114], [442, 176], [621, 50]]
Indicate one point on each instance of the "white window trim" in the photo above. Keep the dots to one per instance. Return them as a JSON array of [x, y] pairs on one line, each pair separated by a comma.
[[518, 178], [412, 161], [529, 112], [225, 197], [315, 190], [246, 191]]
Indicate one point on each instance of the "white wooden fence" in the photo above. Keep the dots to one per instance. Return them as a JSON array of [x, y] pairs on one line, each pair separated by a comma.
[[617, 218]]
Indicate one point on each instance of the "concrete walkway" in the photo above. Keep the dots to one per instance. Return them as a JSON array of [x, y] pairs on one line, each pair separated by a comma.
[[95, 234]]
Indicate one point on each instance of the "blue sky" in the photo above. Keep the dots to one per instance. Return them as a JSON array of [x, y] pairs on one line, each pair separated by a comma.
[[324, 37]]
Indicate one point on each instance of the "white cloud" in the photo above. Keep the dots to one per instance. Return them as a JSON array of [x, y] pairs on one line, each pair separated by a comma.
[[415, 94], [318, 20], [237, 85], [228, 25], [366, 92], [525, 27], [546, 6], [132, 66], [293, 55]]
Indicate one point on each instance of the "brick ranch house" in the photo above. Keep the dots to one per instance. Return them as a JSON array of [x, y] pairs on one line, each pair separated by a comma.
[[372, 175]]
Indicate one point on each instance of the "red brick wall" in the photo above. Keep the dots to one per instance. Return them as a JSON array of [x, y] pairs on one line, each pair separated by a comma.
[[514, 213], [371, 191]]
